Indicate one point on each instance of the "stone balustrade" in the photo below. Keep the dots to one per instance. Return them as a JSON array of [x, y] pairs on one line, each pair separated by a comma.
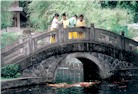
[[32, 44]]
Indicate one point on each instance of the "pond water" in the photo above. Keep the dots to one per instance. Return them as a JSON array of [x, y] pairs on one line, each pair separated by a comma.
[[123, 82], [126, 87]]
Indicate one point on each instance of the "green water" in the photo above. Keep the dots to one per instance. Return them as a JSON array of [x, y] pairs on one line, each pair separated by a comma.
[[130, 87]]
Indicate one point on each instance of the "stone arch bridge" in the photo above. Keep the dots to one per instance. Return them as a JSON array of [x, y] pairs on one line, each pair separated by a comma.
[[38, 57]]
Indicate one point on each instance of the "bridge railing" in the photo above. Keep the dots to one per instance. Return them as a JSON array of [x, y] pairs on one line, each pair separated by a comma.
[[107, 37], [130, 45], [75, 34], [43, 40], [68, 35], [15, 53]]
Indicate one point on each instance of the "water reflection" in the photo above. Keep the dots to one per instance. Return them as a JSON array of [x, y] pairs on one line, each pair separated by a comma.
[[129, 87]]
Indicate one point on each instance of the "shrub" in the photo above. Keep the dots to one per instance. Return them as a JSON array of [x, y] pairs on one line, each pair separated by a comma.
[[10, 71], [8, 38]]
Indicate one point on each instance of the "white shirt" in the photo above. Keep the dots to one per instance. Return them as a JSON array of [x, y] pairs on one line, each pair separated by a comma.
[[55, 23]]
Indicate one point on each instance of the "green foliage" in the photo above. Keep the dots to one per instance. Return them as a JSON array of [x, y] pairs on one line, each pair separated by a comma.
[[42, 12], [6, 16], [111, 15], [8, 38], [132, 32], [24, 4], [115, 20], [131, 6], [108, 4], [10, 71], [39, 14]]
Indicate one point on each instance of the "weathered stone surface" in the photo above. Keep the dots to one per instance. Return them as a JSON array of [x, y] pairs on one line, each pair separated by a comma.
[[49, 66], [84, 46], [44, 73], [14, 83]]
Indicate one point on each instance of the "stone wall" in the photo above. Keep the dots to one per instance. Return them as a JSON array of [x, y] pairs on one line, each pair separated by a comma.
[[48, 67], [19, 82], [56, 51]]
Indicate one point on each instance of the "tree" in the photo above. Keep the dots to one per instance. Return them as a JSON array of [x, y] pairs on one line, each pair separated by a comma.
[[6, 16], [41, 14], [131, 6]]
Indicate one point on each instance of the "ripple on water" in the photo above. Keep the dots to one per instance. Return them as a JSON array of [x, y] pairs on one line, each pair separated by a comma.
[[130, 87]]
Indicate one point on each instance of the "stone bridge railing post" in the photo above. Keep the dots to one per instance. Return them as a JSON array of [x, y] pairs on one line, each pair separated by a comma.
[[30, 44], [65, 36], [61, 36], [122, 44], [21, 41], [33, 44], [57, 36], [28, 48], [2, 60], [122, 40], [92, 32]]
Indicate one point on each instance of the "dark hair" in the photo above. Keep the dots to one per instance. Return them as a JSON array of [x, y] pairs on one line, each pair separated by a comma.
[[76, 16], [56, 15], [64, 14], [81, 15]]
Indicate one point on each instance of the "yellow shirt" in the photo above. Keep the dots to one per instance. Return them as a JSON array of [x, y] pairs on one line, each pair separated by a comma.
[[65, 23], [80, 24]]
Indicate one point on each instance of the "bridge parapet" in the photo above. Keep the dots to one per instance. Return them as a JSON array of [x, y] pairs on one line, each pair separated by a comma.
[[64, 36]]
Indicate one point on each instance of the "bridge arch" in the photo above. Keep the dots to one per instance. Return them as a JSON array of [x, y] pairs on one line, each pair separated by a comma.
[[48, 67], [87, 59]]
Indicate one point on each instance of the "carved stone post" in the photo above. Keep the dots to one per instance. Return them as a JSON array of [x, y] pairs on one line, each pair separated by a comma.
[[30, 44], [92, 32], [57, 36], [33, 44], [60, 36], [92, 24], [27, 49], [2, 60], [20, 41], [122, 44], [47, 39], [122, 40], [123, 33], [65, 35]]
